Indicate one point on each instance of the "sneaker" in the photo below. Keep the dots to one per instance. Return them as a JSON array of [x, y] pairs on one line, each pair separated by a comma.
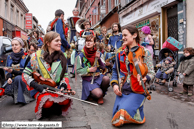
[[100, 101]]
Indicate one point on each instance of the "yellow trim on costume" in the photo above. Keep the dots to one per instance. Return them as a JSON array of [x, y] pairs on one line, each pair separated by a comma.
[[116, 121], [114, 81], [43, 69]]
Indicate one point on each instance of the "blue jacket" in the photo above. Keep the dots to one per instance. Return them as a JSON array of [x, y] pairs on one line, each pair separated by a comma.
[[9, 63], [59, 29], [40, 43], [115, 39]]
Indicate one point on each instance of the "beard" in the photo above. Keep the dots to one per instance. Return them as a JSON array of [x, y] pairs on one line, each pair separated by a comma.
[[115, 31]]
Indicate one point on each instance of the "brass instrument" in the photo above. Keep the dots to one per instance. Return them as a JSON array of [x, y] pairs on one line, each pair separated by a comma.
[[79, 26], [108, 36], [68, 52]]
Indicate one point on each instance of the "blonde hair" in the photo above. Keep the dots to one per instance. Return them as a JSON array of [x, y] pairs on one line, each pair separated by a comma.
[[48, 38]]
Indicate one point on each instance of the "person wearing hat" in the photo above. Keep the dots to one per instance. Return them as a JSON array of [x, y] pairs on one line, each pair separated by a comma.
[[14, 86], [166, 67]]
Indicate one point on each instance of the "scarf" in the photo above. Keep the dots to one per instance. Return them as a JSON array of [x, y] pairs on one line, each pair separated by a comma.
[[53, 23], [186, 58], [55, 56], [16, 57], [90, 55]]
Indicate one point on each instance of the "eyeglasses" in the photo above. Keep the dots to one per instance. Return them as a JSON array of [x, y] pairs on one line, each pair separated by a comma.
[[76, 10]]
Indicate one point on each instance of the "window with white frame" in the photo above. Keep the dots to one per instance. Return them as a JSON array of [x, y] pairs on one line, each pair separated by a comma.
[[109, 5], [116, 2], [6, 8], [11, 13]]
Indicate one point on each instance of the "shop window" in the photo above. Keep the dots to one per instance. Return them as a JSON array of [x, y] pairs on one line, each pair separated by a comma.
[[153, 23]]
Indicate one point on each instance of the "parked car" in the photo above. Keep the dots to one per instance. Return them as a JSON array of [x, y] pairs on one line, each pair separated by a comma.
[[5, 50]]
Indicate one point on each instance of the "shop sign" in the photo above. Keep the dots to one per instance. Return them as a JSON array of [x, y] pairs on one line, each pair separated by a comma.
[[28, 20], [143, 23], [146, 9], [24, 35]]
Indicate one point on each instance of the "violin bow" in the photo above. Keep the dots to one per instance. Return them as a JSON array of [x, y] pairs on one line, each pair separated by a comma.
[[117, 65], [72, 97]]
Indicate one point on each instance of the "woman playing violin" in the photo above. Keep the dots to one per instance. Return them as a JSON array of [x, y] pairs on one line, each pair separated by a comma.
[[51, 63], [85, 67], [14, 86], [128, 107]]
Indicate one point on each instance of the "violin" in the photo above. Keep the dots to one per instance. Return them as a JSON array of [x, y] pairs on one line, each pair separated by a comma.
[[135, 57], [38, 78], [47, 83], [50, 84]]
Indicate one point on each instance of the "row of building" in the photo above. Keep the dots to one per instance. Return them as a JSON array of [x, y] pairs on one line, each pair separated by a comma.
[[165, 17], [12, 19]]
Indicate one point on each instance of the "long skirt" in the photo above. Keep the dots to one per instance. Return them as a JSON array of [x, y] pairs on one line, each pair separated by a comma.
[[87, 87], [51, 103], [18, 91], [128, 109]]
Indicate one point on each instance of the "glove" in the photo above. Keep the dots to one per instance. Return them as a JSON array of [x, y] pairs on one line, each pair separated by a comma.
[[63, 86], [37, 86]]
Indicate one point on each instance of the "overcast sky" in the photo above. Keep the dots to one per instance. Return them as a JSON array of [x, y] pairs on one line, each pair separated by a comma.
[[44, 10]]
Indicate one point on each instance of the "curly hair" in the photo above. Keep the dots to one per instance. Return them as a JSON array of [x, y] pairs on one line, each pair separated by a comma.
[[146, 30], [190, 50]]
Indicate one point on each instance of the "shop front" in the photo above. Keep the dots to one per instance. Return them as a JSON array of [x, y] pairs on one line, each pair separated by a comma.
[[8, 29], [154, 24], [148, 14], [21, 34]]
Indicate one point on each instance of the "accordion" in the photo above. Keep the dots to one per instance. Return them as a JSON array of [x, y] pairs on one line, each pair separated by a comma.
[[72, 21]]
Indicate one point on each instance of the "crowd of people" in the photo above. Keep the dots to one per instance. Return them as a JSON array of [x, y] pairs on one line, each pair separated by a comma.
[[102, 59]]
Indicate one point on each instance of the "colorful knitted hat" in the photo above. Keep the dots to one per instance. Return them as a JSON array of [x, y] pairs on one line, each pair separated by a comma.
[[169, 59]]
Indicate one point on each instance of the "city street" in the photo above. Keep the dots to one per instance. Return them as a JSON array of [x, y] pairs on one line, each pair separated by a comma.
[[162, 112]]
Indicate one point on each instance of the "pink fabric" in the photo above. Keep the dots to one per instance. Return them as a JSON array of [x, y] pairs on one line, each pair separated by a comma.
[[149, 47], [166, 44]]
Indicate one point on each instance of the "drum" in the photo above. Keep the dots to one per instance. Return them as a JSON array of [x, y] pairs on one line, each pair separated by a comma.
[[81, 43]]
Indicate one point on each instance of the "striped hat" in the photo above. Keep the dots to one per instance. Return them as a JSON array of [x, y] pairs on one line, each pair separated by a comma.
[[169, 59]]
